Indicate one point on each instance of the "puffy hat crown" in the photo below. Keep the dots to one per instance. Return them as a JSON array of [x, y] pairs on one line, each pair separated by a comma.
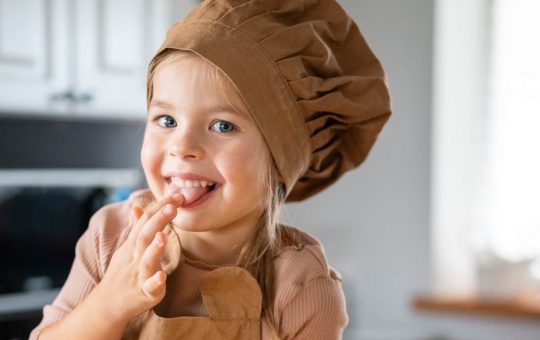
[[313, 86]]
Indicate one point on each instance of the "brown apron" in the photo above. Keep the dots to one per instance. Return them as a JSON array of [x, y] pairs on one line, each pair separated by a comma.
[[233, 300]]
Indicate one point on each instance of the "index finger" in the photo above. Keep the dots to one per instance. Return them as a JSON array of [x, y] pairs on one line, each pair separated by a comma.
[[140, 216]]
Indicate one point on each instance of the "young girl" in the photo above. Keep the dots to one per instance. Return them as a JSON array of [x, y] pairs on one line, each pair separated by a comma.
[[251, 104]]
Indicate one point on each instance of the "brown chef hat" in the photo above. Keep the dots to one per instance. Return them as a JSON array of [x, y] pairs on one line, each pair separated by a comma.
[[311, 82]]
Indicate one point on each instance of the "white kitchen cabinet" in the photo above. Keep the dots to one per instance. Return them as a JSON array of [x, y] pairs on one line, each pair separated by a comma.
[[33, 53], [81, 57]]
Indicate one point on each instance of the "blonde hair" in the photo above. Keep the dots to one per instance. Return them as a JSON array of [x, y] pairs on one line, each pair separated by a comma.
[[257, 255]]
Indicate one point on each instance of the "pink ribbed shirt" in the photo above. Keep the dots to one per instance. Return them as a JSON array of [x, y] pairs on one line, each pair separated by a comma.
[[309, 300]]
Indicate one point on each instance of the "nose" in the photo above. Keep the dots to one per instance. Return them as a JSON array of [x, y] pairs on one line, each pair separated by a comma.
[[186, 146]]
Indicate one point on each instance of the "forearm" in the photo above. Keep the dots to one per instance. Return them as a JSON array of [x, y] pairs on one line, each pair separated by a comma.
[[90, 320]]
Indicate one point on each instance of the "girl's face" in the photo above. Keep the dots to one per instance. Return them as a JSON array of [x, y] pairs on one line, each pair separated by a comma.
[[191, 130]]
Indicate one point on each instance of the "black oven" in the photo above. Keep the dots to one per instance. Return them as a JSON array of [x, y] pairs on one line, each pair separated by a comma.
[[38, 231]]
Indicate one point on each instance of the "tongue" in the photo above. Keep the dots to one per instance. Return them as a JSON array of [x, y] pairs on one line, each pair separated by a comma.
[[190, 194], [193, 194]]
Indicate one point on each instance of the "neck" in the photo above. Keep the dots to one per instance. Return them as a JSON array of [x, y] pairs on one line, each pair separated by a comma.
[[217, 247]]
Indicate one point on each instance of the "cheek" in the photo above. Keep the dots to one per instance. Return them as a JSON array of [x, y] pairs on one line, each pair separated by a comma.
[[240, 163], [243, 167], [149, 155]]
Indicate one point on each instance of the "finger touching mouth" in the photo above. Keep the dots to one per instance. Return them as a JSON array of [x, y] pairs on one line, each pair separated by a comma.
[[194, 193]]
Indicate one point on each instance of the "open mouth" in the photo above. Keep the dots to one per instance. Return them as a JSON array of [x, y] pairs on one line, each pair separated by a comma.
[[194, 196]]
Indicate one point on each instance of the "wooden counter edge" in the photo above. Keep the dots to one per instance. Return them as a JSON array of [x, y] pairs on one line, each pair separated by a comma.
[[475, 306]]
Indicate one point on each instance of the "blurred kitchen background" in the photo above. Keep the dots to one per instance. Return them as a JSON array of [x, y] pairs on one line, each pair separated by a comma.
[[437, 234]]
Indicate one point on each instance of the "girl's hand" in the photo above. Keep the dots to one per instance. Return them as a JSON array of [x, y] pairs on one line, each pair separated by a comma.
[[134, 282]]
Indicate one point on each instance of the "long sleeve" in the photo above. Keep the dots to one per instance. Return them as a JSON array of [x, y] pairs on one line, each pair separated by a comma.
[[317, 311]]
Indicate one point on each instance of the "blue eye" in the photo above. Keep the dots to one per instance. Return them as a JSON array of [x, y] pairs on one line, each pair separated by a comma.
[[223, 126], [167, 119]]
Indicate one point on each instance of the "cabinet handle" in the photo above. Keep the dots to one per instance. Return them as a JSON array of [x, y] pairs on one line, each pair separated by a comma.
[[62, 96], [69, 96], [83, 97]]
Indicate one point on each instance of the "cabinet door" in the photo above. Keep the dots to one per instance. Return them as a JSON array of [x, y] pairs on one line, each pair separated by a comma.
[[115, 41], [33, 55]]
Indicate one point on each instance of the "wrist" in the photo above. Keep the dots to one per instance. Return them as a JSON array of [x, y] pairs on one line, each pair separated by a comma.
[[102, 304]]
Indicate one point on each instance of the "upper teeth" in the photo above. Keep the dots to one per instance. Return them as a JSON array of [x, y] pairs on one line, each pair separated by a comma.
[[190, 183]]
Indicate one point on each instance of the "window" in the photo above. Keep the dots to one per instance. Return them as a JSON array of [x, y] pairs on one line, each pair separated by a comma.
[[486, 150], [509, 213]]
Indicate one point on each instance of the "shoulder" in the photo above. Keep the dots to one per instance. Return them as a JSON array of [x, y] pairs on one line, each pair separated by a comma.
[[109, 226], [118, 214], [303, 255], [111, 219], [300, 262]]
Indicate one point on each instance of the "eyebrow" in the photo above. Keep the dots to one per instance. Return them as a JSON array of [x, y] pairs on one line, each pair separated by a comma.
[[216, 108]]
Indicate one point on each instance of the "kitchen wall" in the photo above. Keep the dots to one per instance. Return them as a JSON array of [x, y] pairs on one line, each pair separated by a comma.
[[374, 222]]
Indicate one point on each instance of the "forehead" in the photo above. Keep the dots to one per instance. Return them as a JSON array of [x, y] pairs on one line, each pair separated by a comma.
[[195, 83]]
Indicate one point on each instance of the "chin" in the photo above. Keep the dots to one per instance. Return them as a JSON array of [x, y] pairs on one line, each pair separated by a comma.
[[188, 224]]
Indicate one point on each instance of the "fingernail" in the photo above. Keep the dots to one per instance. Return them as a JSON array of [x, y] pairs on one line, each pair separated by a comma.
[[157, 241], [168, 210], [157, 279], [177, 196]]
